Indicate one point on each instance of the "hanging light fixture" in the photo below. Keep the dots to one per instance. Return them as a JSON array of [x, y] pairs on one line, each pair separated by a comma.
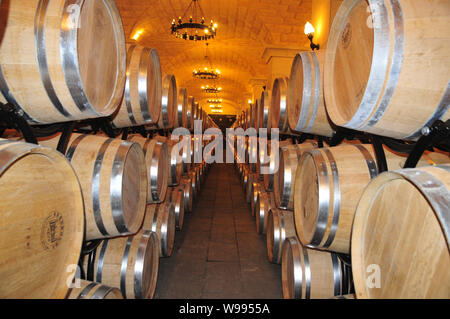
[[195, 29], [206, 73], [214, 101], [211, 89]]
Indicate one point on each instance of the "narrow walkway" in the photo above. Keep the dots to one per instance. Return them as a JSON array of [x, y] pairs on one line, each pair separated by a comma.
[[218, 254]]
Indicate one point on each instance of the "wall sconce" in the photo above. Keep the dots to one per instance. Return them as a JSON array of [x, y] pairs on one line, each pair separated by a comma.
[[137, 34], [309, 31]]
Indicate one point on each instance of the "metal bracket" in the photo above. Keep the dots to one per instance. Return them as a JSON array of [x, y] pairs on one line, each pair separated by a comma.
[[14, 118]]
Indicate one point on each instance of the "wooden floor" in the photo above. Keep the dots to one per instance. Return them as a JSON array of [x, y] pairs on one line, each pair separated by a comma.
[[218, 254]]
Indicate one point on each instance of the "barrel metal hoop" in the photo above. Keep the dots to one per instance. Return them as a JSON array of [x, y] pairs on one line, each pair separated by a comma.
[[83, 294], [95, 188], [164, 228], [317, 92], [435, 192], [101, 260], [70, 152], [41, 56], [142, 85], [116, 185], [127, 94], [336, 198], [297, 265], [306, 91], [276, 235], [371, 163], [158, 78], [289, 176], [124, 267], [282, 235], [139, 265], [307, 274], [336, 274], [101, 292], [395, 65], [323, 184], [379, 65]]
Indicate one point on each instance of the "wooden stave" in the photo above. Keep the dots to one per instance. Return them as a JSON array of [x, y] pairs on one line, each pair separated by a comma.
[[323, 283], [55, 286], [156, 153], [431, 184], [280, 226], [61, 102], [136, 107], [312, 117], [114, 267], [93, 290], [387, 91], [99, 212]]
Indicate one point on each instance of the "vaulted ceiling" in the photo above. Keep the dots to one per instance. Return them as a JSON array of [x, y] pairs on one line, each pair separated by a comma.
[[245, 29]]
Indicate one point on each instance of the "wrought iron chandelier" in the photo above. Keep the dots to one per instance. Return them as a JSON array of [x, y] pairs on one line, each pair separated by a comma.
[[214, 101], [206, 73], [195, 29], [211, 89]]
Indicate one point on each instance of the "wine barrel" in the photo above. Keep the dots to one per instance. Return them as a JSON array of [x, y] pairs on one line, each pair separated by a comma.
[[264, 203], [328, 185], [129, 263], [113, 178], [265, 103], [93, 290], [402, 227], [175, 167], [308, 273], [44, 71], [186, 186], [157, 162], [255, 190], [169, 102], [284, 177], [385, 72], [249, 188], [175, 196], [141, 104], [190, 113], [41, 232], [306, 107], [160, 218], [272, 166], [280, 225], [181, 111], [278, 108]]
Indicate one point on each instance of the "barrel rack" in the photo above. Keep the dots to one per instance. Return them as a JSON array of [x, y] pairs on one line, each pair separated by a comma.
[[12, 117]]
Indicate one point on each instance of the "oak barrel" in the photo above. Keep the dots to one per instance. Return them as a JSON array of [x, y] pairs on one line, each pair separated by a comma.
[[42, 221], [93, 290], [129, 263], [385, 70], [264, 203], [186, 186], [175, 165], [328, 185], [402, 227], [255, 190], [160, 218], [280, 225], [308, 273], [181, 111], [306, 107], [169, 102], [175, 196], [278, 108], [284, 177], [190, 113], [141, 104], [157, 163], [113, 178], [47, 74]]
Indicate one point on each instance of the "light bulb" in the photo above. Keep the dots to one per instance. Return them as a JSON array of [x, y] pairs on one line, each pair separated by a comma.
[[309, 29]]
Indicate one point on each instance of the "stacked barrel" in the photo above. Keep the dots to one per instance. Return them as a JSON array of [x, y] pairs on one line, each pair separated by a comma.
[[111, 205], [339, 227]]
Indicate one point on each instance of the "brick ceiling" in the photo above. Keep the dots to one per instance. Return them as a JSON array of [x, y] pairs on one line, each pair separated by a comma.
[[246, 29]]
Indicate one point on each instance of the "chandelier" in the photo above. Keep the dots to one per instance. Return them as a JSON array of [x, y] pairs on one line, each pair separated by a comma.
[[206, 73], [214, 101], [195, 29], [211, 89]]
